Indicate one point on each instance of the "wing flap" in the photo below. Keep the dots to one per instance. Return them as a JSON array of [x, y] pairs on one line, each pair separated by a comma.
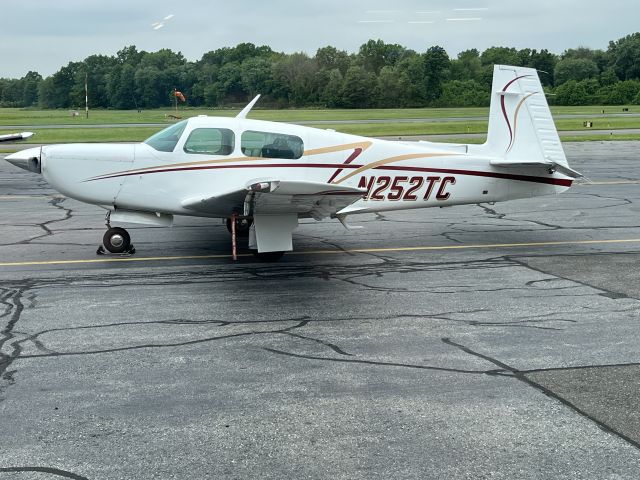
[[277, 197]]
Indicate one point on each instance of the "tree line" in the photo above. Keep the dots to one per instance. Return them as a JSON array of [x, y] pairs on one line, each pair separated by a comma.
[[379, 75]]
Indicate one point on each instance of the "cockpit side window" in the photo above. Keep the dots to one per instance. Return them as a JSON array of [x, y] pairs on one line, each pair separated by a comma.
[[211, 141], [167, 139], [271, 145]]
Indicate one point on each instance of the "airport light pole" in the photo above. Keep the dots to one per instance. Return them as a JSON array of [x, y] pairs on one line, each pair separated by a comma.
[[86, 93]]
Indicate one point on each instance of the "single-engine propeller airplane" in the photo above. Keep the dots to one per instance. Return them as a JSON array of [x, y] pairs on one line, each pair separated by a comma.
[[264, 176]]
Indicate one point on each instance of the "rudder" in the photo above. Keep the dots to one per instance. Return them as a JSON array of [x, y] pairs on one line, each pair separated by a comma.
[[521, 127]]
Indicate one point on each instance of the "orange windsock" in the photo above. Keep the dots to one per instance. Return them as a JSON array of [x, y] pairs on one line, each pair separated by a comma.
[[180, 96]]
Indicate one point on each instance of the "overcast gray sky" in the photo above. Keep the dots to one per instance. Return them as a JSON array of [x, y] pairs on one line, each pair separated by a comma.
[[43, 35]]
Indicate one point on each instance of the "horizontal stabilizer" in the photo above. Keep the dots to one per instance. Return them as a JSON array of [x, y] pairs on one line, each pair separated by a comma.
[[564, 169]]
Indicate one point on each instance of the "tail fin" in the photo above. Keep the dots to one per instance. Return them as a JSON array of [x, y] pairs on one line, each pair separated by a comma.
[[521, 127]]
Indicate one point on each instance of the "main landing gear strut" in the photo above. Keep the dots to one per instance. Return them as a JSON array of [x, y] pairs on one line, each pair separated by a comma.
[[241, 228], [115, 240]]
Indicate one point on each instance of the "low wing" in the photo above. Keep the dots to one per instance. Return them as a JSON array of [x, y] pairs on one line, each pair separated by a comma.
[[279, 197]]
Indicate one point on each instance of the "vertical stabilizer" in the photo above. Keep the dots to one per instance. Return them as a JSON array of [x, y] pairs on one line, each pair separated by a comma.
[[521, 127]]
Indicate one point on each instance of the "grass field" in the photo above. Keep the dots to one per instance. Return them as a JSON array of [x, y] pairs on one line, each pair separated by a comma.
[[15, 116], [478, 124]]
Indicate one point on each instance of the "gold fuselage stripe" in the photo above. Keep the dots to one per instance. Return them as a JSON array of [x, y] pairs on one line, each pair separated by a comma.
[[317, 151]]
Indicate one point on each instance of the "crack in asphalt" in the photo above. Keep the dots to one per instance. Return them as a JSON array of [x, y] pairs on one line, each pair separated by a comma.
[[606, 292], [332, 346], [521, 375], [51, 471], [381, 364], [55, 202], [12, 300], [166, 345]]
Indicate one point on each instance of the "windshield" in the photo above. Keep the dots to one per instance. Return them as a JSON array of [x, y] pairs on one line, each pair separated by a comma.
[[166, 140]]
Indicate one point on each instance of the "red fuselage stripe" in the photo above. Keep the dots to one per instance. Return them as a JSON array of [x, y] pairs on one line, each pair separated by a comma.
[[356, 153], [473, 173]]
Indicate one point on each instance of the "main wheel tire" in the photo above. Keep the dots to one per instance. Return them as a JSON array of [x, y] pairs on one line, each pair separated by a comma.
[[116, 240], [242, 227], [268, 257]]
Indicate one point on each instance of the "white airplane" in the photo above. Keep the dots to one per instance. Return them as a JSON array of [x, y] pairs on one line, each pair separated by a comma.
[[12, 137], [263, 176]]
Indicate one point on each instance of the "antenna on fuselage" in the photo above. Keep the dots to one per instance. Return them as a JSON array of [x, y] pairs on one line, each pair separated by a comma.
[[245, 111]]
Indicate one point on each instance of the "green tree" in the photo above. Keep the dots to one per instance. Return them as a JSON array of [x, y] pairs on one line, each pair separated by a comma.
[[121, 87], [575, 69], [436, 69], [237, 54], [130, 56], [330, 94], [55, 91], [96, 68], [376, 54], [150, 88], [576, 93], [500, 56], [545, 62], [468, 93], [624, 55], [467, 66], [229, 84], [621, 93], [411, 78], [330, 58], [358, 89], [30, 84], [608, 77], [389, 88], [295, 78], [256, 76], [11, 92]]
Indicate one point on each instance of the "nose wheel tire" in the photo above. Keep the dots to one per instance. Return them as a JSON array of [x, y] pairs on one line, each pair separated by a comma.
[[117, 240]]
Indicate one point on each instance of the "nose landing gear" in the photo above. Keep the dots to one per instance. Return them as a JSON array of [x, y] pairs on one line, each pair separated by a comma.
[[116, 240]]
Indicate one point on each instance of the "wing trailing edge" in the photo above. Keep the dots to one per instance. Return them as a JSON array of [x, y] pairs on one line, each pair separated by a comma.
[[275, 197]]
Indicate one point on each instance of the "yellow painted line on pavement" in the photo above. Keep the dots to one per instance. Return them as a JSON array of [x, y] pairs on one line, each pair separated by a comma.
[[613, 182], [324, 252], [114, 260]]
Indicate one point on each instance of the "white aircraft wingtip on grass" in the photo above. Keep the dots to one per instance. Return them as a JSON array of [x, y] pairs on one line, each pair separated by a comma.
[[13, 137]]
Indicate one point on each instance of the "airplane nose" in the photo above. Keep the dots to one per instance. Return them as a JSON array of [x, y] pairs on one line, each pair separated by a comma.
[[29, 159]]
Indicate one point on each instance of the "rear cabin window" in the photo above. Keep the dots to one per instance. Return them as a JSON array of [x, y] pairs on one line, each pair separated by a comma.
[[271, 145], [210, 141], [166, 140]]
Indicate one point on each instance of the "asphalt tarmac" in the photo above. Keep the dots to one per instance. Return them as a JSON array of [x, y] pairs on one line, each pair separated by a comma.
[[479, 342]]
